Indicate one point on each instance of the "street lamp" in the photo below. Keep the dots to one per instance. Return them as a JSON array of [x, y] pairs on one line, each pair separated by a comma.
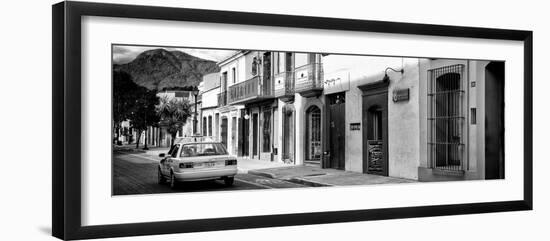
[[195, 93]]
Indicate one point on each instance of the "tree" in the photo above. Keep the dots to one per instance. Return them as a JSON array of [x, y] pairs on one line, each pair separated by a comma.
[[173, 114], [143, 111], [123, 99]]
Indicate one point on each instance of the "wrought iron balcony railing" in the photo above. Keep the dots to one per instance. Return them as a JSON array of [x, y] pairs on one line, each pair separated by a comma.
[[255, 89], [309, 79], [284, 84]]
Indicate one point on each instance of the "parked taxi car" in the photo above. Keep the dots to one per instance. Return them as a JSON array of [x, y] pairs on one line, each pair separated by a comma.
[[196, 161]]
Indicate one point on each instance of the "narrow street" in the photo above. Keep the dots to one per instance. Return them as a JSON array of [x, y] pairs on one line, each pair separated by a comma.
[[137, 174]]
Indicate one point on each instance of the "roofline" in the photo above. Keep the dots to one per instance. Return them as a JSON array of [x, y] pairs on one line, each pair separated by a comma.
[[236, 55]]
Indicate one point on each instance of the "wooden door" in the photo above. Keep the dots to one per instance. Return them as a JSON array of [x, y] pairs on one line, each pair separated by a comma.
[[375, 133], [224, 132], [234, 135], [494, 120], [337, 132], [288, 134], [254, 134], [244, 135]]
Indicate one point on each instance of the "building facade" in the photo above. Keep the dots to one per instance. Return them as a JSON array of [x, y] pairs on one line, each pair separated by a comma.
[[414, 118]]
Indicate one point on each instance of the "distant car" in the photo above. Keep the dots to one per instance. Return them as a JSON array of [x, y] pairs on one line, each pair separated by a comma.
[[197, 161]]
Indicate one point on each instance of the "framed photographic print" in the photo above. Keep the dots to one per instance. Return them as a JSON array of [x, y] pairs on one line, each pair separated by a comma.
[[240, 120]]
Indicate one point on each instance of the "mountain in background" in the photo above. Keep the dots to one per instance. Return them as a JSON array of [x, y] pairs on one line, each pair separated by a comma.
[[159, 69]]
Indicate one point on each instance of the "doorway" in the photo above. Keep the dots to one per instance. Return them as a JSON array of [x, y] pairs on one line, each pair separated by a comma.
[[234, 134], [288, 133], [337, 131], [255, 135], [244, 134], [494, 120], [224, 131], [375, 131], [313, 135]]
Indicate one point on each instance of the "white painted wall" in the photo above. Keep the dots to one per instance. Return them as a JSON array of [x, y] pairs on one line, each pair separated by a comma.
[[210, 98], [403, 119]]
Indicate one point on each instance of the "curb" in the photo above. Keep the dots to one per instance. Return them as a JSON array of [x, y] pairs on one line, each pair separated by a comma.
[[309, 182], [296, 180], [263, 174]]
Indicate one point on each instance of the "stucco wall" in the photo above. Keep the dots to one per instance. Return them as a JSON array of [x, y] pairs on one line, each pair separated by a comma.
[[403, 122], [210, 81], [210, 98], [474, 71], [403, 117]]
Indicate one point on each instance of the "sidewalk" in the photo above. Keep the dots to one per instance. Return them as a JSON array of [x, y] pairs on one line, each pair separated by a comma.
[[318, 177], [246, 165]]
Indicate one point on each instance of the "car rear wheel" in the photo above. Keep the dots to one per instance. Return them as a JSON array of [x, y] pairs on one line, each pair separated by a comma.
[[161, 178], [229, 181]]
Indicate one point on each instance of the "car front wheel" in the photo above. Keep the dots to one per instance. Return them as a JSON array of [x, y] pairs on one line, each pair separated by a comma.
[[229, 181], [161, 178], [173, 182]]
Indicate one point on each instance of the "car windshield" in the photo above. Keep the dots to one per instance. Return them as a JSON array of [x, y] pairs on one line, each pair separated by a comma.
[[203, 149]]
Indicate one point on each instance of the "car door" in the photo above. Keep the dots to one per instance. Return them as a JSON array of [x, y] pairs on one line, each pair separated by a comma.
[[171, 159], [164, 162]]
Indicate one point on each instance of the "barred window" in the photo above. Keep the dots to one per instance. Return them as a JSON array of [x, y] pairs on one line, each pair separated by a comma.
[[446, 119]]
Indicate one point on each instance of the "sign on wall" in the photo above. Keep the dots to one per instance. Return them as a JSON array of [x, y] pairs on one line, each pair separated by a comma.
[[401, 95], [336, 82], [355, 126]]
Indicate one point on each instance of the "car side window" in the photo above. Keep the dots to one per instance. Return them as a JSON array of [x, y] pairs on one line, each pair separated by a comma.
[[171, 150], [175, 151]]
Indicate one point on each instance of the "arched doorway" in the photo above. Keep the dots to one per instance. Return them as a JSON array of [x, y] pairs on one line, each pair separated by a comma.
[[313, 136], [375, 128], [289, 117]]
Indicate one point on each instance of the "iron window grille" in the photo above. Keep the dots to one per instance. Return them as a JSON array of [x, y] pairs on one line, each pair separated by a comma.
[[446, 118]]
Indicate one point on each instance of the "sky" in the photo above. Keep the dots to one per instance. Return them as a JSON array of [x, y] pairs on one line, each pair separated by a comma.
[[123, 53]]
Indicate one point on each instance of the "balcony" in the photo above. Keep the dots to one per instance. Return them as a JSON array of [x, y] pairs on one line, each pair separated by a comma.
[[284, 86], [257, 88], [222, 99], [309, 80]]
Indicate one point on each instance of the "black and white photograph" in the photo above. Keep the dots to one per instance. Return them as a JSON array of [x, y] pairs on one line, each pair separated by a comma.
[[193, 119], [281, 120]]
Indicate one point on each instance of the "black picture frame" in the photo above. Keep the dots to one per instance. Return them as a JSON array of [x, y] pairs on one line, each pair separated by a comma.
[[66, 122]]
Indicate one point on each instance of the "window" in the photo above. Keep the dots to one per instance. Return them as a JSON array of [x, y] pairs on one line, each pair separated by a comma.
[[203, 149], [279, 57], [311, 58], [288, 62], [217, 124], [204, 130], [224, 81], [209, 125], [255, 65], [171, 150], [174, 151], [266, 147], [446, 118], [234, 75]]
